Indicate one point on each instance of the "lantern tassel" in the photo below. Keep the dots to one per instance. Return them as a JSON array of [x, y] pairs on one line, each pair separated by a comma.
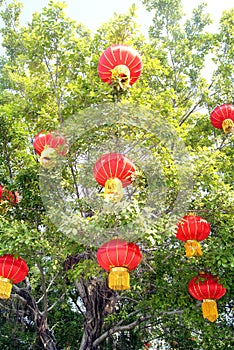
[[121, 75], [5, 288], [209, 310], [48, 157], [119, 278], [193, 248], [113, 190], [228, 126]]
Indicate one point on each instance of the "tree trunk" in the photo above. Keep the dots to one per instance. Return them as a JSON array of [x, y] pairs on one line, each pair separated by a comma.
[[45, 334], [39, 319], [99, 301]]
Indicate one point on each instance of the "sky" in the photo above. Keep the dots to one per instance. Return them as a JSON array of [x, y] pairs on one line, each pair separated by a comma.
[[93, 13]]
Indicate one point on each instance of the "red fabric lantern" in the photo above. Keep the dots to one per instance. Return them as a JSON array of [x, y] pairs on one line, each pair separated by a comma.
[[1, 192], [8, 196], [223, 117], [120, 65], [207, 288], [49, 146], [12, 270], [12, 197], [51, 139], [192, 229], [119, 257], [114, 171]]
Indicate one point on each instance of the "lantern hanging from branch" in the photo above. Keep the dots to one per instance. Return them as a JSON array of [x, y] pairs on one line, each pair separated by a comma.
[[12, 197], [119, 257], [120, 65], [7, 197], [114, 171], [206, 287], [48, 146], [192, 229], [12, 270], [222, 117]]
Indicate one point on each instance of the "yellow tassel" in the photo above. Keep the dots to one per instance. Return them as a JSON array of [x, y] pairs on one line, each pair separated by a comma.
[[228, 126], [121, 73], [119, 278], [193, 248], [5, 288], [48, 158], [209, 310], [113, 190]]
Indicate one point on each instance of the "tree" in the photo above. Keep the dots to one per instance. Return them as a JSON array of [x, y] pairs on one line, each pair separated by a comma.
[[49, 81]]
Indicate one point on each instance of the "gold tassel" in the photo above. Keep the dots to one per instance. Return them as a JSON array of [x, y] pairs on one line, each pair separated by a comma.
[[119, 278], [5, 288], [209, 310], [48, 158], [228, 126], [113, 190], [121, 74], [193, 248]]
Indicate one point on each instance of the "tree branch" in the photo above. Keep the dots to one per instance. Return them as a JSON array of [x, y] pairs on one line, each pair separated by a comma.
[[119, 328]]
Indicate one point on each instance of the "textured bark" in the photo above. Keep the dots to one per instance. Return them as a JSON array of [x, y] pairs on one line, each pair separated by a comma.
[[99, 301], [45, 335], [39, 318]]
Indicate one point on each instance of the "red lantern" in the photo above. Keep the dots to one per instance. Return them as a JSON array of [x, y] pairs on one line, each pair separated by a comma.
[[120, 65], [119, 257], [12, 270], [12, 197], [223, 117], [49, 146], [114, 171], [192, 229], [1, 192], [206, 287], [9, 196]]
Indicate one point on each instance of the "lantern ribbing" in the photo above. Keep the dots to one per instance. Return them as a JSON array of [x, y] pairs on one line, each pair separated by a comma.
[[113, 171], [192, 229], [49, 145], [120, 65], [205, 287], [222, 117], [12, 270], [119, 257]]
